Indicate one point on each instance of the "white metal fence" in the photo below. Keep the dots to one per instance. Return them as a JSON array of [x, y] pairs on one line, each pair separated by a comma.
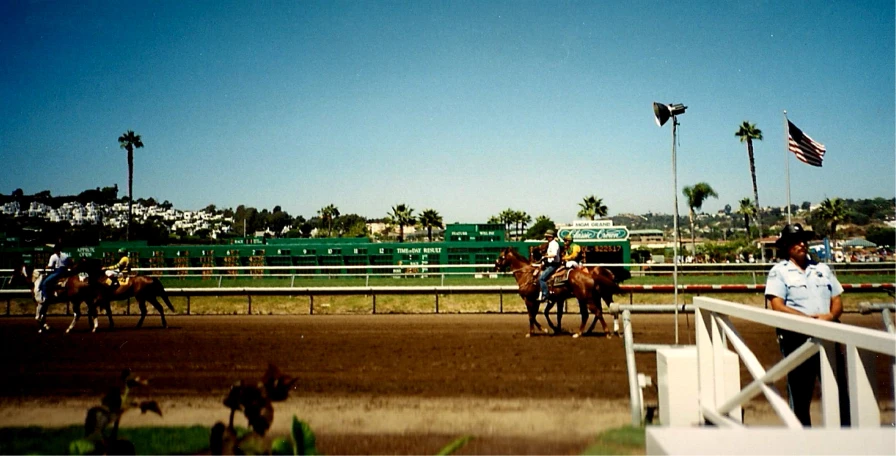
[[715, 331]]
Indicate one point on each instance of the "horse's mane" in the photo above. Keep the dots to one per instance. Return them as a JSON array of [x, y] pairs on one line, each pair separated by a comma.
[[511, 251]]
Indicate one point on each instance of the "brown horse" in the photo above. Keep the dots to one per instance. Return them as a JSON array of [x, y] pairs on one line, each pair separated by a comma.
[[75, 288], [142, 288], [587, 285]]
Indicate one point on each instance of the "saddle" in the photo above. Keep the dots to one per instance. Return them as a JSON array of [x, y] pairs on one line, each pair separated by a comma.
[[60, 284], [122, 280], [559, 278]]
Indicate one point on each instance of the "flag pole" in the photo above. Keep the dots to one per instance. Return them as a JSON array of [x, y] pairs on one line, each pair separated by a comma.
[[787, 162]]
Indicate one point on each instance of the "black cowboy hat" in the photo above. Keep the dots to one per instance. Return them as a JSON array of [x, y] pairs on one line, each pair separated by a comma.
[[792, 234]]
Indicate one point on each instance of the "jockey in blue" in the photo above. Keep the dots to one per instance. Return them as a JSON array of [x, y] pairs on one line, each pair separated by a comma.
[[59, 264], [551, 262]]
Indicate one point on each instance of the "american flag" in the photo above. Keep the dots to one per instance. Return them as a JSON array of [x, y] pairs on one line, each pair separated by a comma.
[[806, 149]]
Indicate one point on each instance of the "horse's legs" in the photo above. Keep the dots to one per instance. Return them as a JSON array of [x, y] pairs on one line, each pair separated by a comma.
[[142, 304], [155, 303], [560, 309], [599, 315], [76, 309], [107, 305], [532, 310], [583, 311], [549, 304], [42, 317]]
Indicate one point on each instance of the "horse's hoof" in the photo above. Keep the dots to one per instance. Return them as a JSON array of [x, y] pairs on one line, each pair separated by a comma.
[[576, 335], [528, 335]]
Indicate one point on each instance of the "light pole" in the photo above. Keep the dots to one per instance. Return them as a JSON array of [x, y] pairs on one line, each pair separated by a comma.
[[663, 113]]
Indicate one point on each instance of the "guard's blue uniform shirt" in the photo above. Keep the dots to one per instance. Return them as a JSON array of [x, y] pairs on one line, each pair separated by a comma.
[[808, 291]]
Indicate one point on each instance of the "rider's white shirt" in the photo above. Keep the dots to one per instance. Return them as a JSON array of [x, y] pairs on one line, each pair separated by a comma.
[[56, 261], [553, 253]]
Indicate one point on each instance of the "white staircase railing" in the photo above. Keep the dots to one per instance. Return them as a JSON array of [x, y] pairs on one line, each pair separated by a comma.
[[715, 331]]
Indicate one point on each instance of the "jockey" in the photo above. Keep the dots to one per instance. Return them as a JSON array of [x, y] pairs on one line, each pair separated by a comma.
[[122, 267], [58, 264], [572, 253], [551, 262]]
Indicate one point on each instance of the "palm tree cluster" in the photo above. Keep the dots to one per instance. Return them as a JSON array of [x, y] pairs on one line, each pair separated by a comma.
[[514, 221], [831, 212]]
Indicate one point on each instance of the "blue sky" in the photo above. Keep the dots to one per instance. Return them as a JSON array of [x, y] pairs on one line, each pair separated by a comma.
[[464, 107]]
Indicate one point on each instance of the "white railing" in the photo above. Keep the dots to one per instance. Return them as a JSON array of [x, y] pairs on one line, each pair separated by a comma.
[[715, 331]]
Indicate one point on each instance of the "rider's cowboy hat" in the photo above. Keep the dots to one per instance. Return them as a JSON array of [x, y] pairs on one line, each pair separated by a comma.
[[791, 234], [549, 233]]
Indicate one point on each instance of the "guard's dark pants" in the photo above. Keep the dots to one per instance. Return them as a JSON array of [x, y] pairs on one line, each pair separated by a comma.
[[549, 269], [801, 380]]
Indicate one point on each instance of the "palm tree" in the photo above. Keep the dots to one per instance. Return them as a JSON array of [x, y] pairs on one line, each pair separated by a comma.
[[507, 217], [402, 216], [747, 133], [832, 211], [430, 219], [130, 141], [522, 219], [695, 196], [592, 208], [747, 210], [327, 214]]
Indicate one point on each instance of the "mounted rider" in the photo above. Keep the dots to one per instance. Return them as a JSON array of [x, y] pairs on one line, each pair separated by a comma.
[[122, 267], [58, 265], [572, 252], [550, 263]]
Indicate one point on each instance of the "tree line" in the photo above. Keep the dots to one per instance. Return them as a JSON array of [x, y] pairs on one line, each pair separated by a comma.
[[329, 222]]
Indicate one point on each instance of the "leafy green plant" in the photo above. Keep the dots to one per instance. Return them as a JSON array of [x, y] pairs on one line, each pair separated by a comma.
[[115, 403], [457, 444], [301, 440], [255, 400]]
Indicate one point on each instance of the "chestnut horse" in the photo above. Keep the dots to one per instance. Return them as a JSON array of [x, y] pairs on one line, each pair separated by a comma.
[[75, 288], [142, 288], [587, 285]]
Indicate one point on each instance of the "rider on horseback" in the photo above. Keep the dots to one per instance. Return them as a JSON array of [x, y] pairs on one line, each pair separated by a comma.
[[59, 264], [122, 267], [572, 252], [551, 262]]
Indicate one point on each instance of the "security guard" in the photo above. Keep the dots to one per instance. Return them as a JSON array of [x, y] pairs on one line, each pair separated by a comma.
[[799, 286]]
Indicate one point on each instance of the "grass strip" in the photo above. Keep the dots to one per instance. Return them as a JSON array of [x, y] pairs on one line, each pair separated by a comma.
[[622, 440], [147, 440]]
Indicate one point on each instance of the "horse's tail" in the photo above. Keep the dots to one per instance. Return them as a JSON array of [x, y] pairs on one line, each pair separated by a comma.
[[163, 294]]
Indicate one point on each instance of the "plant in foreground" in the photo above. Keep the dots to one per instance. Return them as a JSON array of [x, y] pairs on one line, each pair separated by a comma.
[[255, 400], [114, 404]]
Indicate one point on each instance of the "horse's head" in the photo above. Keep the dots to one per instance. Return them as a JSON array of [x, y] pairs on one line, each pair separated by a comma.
[[607, 280], [24, 275], [93, 268], [537, 252], [503, 259]]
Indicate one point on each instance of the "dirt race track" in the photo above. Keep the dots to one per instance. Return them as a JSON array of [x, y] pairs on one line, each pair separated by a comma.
[[370, 384]]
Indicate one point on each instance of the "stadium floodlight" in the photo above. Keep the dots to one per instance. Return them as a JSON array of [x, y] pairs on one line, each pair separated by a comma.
[[662, 113]]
